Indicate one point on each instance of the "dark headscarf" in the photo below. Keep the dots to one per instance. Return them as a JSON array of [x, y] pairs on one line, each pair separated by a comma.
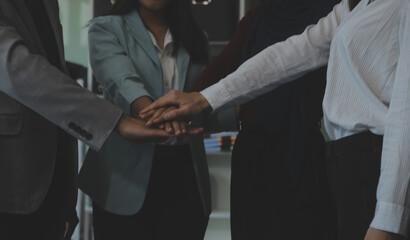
[[296, 106]]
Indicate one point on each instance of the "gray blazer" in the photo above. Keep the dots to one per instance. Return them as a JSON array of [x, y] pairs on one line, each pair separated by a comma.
[[125, 62], [37, 100]]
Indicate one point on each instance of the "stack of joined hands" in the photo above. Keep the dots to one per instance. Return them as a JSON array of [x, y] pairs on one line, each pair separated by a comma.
[[173, 113]]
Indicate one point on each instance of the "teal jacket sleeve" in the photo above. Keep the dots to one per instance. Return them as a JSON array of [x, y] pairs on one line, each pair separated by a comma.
[[112, 67]]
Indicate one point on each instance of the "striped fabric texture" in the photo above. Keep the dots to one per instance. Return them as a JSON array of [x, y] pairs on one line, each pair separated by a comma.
[[368, 87]]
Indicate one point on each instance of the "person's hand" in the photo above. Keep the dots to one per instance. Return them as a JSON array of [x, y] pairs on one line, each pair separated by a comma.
[[135, 130], [140, 104], [177, 127], [376, 234], [188, 105]]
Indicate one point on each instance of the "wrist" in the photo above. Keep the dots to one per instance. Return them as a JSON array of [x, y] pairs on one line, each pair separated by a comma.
[[140, 104], [204, 104]]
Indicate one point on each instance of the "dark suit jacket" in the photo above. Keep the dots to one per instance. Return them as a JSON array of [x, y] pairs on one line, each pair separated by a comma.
[[37, 100]]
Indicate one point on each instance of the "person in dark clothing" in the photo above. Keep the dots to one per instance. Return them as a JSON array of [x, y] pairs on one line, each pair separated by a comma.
[[278, 185], [366, 47], [40, 107]]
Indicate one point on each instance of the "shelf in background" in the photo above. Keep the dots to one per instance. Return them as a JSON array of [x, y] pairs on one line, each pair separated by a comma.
[[220, 215]]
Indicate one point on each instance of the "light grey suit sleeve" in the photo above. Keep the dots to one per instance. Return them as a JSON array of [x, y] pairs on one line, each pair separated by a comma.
[[31, 80]]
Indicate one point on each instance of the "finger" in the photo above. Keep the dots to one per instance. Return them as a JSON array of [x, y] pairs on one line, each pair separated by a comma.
[[168, 127], [175, 114], [161, 126], [158, 114], [147, 115], [183, 127], [167, 99], [158, 120], [179, 113], [177, 128]]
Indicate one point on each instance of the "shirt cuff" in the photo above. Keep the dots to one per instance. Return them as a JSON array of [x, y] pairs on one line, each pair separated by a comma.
[[216, 95], [391, 218]]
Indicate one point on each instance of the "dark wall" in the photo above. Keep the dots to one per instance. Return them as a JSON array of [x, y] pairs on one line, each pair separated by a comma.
[[101, 7], [219, 18]]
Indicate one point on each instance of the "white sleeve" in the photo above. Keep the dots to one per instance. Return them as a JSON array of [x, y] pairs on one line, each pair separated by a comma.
[[277, 64], [393, 193]]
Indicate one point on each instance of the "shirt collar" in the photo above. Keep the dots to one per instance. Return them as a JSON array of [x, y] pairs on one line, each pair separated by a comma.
[[167, 41]]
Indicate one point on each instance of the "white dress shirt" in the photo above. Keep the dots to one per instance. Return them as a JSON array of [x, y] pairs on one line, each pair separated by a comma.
[[169, 72], [168, 62], [368, 87]]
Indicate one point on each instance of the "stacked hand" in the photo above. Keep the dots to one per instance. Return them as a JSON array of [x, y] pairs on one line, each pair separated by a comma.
[[135, 130], [179, 106], [177, 127], [154, 125]]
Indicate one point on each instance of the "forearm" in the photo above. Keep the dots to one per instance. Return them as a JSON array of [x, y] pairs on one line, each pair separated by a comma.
[[277, 64], [32, 81]]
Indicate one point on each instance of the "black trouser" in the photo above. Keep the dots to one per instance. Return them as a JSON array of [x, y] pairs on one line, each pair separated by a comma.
[[172, 208], [354, 170], [46, 223], [264, 206]]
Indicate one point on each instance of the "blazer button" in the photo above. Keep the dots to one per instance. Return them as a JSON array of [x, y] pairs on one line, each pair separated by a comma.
[[77, 129], [71, 125], [89, 136], [83, 132]]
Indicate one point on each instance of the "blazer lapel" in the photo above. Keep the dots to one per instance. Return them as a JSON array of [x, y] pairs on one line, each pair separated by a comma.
[[52, 10], [28, 25], [139, 32], [183, 63]]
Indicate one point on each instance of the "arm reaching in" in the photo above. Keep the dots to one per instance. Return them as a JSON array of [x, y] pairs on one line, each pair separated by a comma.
[[376, 234], [135, 130], [176, 127], [188, 105]]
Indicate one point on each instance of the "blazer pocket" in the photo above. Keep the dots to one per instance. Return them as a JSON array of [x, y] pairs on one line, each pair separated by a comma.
[[8, 105], [10, 125]]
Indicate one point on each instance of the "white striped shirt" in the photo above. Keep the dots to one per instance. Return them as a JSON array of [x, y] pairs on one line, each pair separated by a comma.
[[368, 87]]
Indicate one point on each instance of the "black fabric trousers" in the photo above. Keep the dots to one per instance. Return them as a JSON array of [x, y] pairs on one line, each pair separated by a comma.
[[46, 223], [172, 208], [264, 206], [354, 170]]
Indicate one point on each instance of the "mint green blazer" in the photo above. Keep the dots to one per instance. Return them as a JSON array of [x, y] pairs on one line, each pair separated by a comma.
[[124, 61]]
